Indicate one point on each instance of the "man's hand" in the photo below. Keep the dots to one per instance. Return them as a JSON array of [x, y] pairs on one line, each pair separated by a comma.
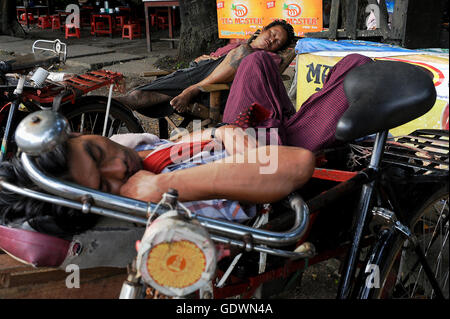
[[205, 57], [142, 186]]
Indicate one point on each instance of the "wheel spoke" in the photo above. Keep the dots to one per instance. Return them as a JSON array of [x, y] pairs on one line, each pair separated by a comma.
[[437, 233], [89, 119], [432, 232]]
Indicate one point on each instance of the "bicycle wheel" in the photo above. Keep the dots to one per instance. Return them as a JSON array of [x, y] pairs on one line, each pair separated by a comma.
[[402, 275], [90, 119]]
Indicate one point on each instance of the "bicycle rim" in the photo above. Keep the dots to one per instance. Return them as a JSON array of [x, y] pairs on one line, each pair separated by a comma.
[[406, 277], [90, 119]]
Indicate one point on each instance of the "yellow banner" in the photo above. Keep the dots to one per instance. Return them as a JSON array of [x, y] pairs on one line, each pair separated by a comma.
[[241, 18], [312, 70]]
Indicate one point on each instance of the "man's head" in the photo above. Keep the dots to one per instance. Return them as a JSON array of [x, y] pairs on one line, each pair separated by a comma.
[[42, 216], [97, 162], [89, 160], [275, 36]]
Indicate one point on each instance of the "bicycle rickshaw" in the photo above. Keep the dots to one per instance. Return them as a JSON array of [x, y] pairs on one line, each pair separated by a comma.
[[380, 205]]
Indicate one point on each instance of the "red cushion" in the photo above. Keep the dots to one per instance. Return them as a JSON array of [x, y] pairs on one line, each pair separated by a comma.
[[37, 249]]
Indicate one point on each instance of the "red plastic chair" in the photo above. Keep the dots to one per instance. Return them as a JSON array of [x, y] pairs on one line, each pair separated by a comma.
[[163, 23], [120, 22], [56, 23], [99, 25], [23, 19], [153, 18], [131, 31], [44, 22], [72, 31]]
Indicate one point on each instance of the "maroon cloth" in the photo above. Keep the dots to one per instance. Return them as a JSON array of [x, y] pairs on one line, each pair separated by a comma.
[[258, 80], [225, 49], [314, 125]]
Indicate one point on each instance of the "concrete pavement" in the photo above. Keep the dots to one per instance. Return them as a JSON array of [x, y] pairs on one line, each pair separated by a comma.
[[129, 57]]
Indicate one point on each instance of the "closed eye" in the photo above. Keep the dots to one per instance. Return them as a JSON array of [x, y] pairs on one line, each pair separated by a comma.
[[95, 152], [97, 155]]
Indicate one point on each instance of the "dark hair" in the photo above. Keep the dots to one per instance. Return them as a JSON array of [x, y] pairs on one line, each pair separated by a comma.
[[286, 26], [42, 216]]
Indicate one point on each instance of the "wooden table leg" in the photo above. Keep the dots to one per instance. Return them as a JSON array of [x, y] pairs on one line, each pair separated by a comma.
[[170, 26], [110, 20], [95, 26], [147, 29]]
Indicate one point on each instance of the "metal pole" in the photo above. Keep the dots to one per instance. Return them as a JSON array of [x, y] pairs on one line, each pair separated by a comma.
[[108, 106], [12, 110], [362, 209]]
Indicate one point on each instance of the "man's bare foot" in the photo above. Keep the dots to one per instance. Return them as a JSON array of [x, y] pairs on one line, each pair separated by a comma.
[[181, 102], [139, 99]]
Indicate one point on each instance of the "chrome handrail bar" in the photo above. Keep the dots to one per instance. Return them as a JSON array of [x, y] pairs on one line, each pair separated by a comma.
[[76, 192], [69, 203], [261, 236], [143, 221], [144, 209]]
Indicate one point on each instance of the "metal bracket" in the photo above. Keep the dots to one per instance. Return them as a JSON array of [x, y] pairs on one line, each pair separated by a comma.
[[388, 218]]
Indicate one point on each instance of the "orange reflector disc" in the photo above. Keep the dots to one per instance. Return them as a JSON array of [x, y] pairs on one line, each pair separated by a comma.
[[178, 264]]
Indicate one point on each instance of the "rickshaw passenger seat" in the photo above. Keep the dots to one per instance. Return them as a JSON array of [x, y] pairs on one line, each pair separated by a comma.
[[384, 95]]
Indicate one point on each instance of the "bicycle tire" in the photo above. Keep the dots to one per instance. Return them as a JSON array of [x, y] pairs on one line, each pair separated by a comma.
[[119, 121], [393, 252]]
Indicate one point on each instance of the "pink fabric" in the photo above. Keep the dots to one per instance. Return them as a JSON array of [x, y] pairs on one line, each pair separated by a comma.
[[313, 127], [258, 81], [38, 249]]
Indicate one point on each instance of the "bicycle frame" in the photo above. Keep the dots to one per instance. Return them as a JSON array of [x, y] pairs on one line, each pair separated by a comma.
[[362, 215], [362, 211]]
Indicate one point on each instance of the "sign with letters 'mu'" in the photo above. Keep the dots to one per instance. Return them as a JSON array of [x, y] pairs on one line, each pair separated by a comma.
[[312, 70]]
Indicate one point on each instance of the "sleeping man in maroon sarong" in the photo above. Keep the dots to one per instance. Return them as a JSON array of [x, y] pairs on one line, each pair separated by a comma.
[[179, 89], [253, 69]]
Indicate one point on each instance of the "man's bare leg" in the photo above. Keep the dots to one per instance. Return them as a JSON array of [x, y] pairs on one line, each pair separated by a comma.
[[138, 99]]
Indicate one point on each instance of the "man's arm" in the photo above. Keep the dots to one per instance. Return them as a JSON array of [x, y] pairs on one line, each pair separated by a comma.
[[234, 139], [243, 177]]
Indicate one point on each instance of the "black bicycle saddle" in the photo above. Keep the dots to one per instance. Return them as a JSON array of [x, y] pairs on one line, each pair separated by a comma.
[[383, 95]]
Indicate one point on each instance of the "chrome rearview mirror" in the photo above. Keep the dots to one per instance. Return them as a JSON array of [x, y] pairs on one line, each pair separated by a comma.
[[41, 131]]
